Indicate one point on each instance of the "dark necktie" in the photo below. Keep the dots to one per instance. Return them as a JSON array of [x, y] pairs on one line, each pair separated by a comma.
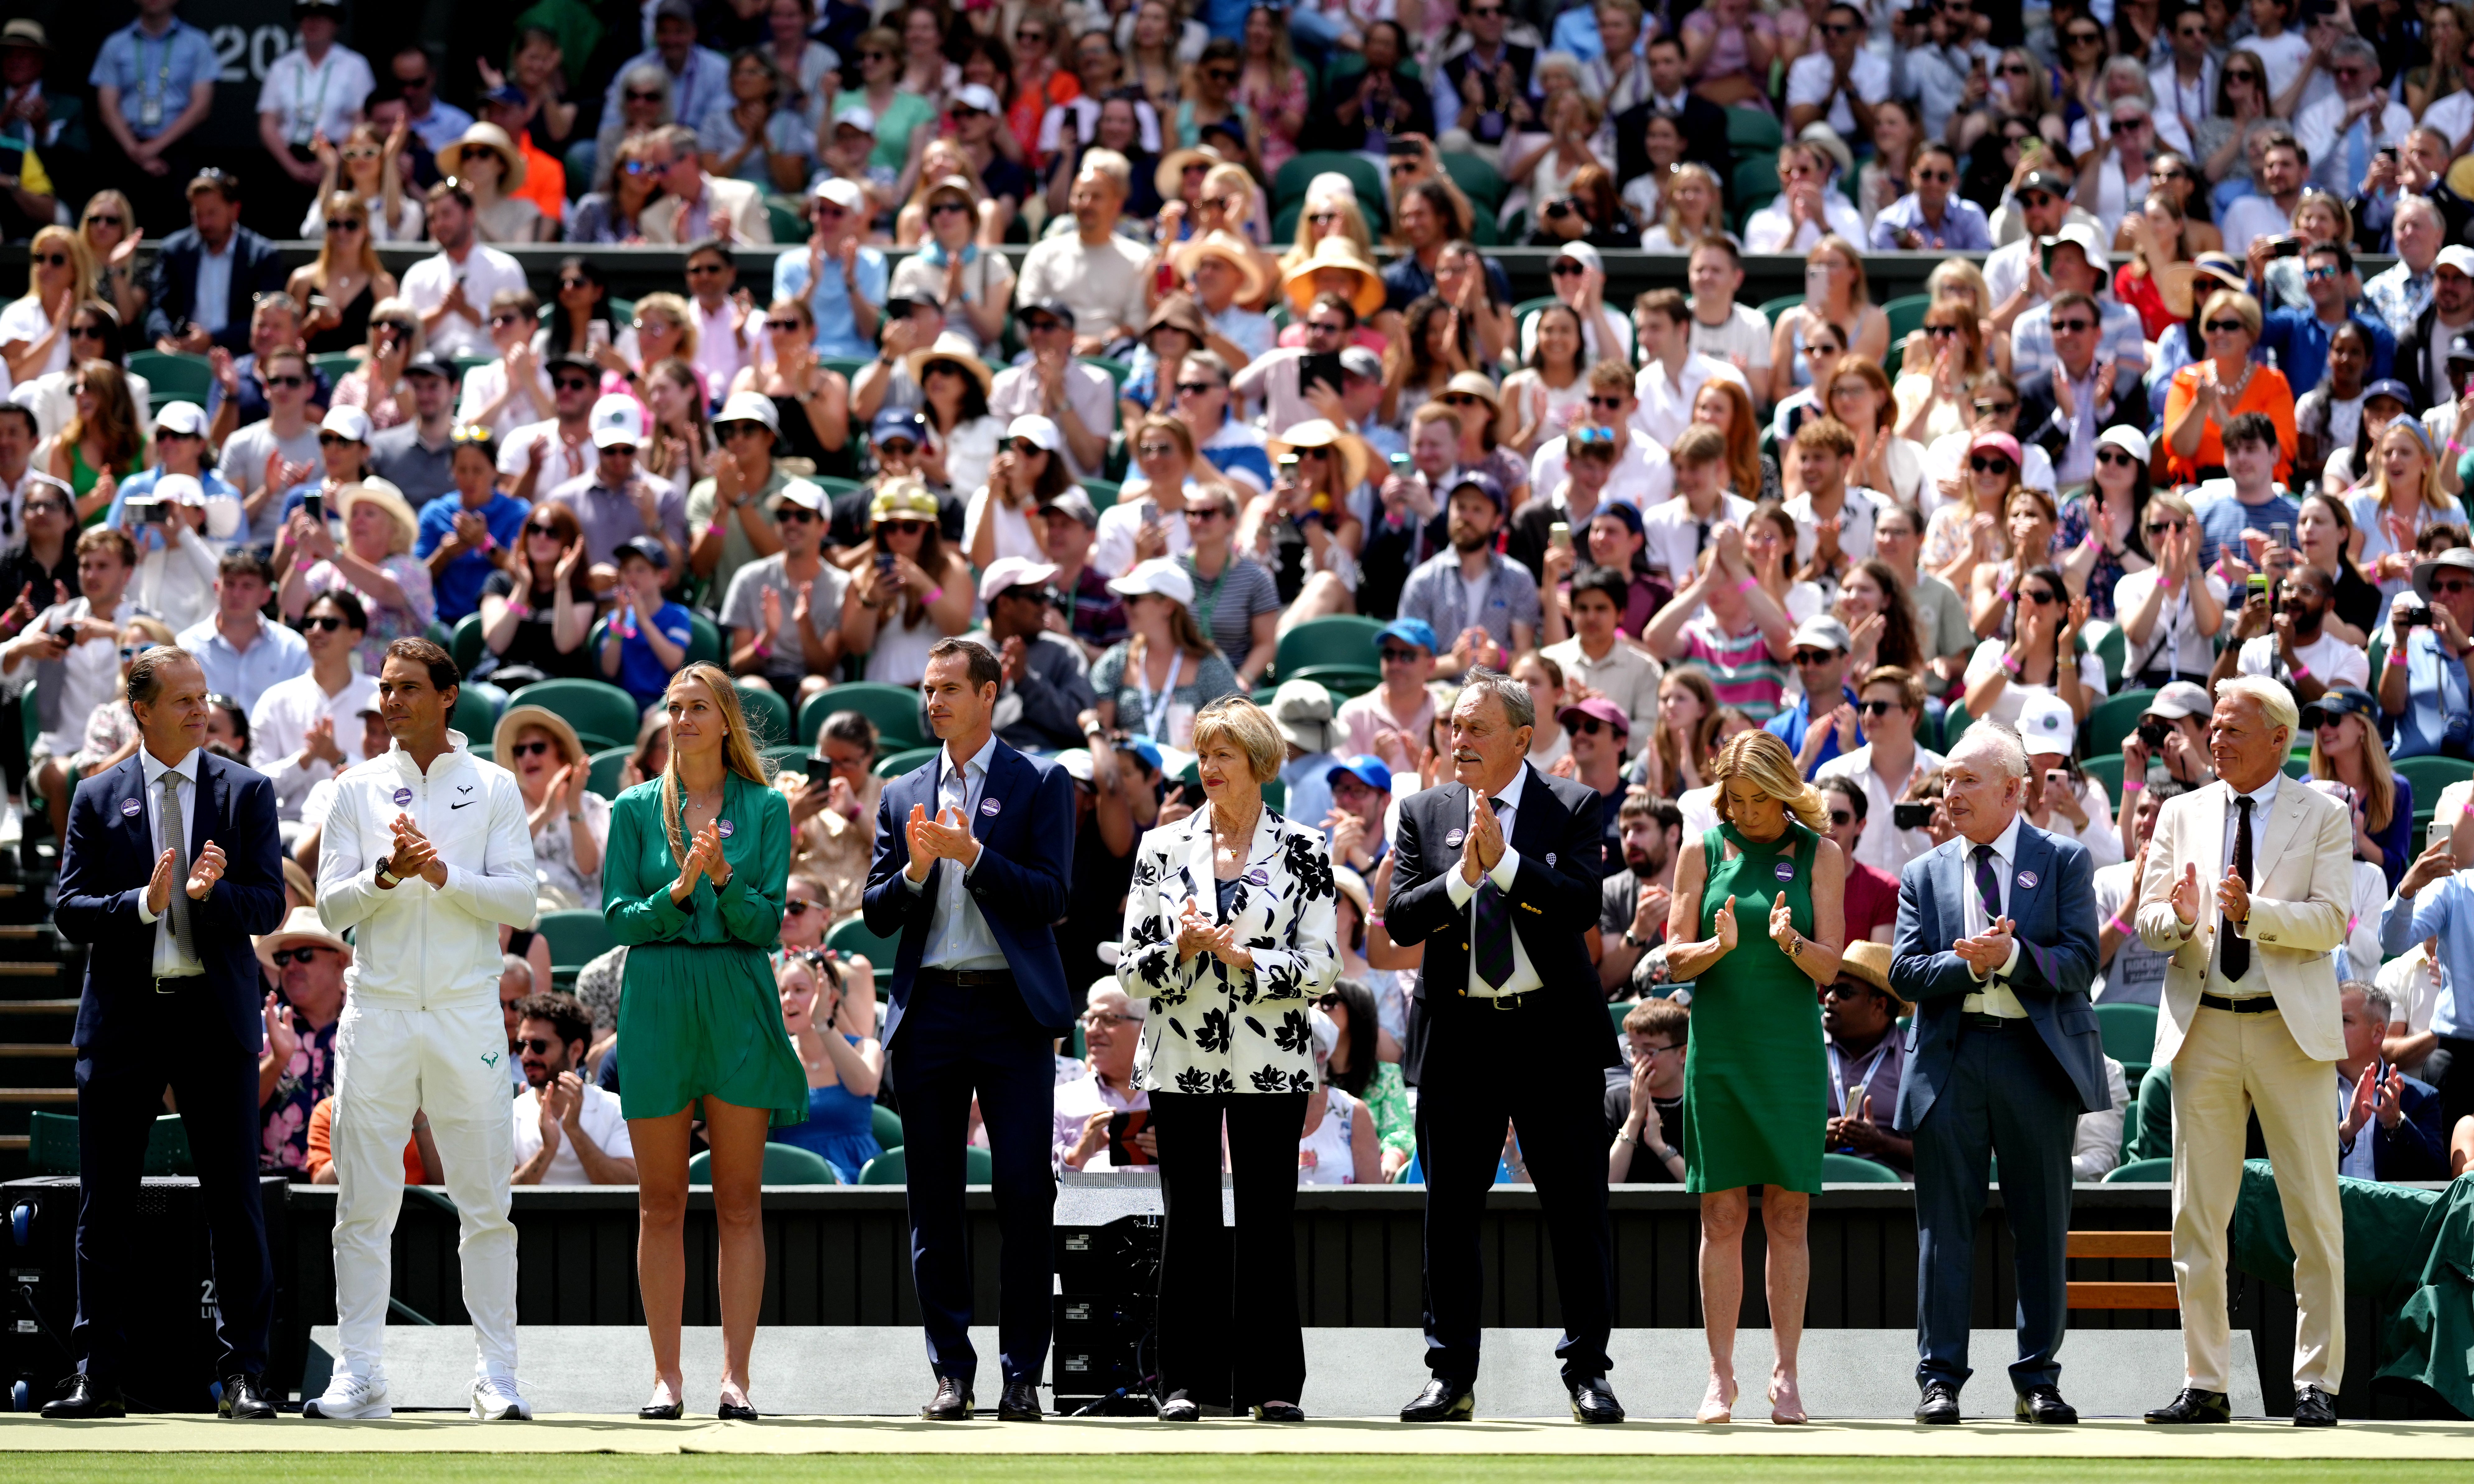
[[1492, 921], [1700, 537], [2237, 948], [1988, 885]]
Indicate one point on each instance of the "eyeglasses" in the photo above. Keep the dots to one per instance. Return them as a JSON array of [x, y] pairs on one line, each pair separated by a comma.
[[1105, 1018], [1400, 654], [326, 623], [2225, 327], [538, 1045], [1877, 707], [533, 749], [2315, 275], [1815, 656], [285, 957], [294, 379], [1153, 449]]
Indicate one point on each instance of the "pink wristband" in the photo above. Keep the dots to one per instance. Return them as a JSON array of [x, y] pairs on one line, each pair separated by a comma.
[[1748, 584], [2010, 663], [936, 594], [2004, 596], [2116, 923], [714, 529], [2301, 671], [2132, 785]]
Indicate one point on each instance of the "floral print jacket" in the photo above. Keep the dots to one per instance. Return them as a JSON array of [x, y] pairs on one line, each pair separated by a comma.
[[1214, 1029]]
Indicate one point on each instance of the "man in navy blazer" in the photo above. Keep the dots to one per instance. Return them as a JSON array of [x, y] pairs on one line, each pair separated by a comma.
[[166, 902], [171, 313], [973, 855], [1996, 946]]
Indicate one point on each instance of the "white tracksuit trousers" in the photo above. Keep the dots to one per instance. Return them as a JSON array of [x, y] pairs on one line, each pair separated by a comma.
[[448, 1061]]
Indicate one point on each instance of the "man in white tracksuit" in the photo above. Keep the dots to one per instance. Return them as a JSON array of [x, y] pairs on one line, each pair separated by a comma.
[[425, 853]]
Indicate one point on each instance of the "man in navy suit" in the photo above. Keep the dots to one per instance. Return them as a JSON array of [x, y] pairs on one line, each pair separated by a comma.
[[972, 853], [1499, 877], [170, 864], [244, 264], [1994, 948]]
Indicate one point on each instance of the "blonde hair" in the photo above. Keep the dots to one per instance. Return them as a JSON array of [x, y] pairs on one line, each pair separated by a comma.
[[81, 263], [676, 309], [1248, 728], [1676, 233], [1959, 273], [2381, 805], [1763, 759], [1705, 732], [2433, 496], [738, 754], [1341, 197], [339, 202], [2242, 306], [401, 308]]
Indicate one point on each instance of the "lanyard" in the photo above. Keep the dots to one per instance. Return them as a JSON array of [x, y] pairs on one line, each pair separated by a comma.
[[1840, 1079], [1206, 600], [162, 66], [1155, 707], [307, 119]]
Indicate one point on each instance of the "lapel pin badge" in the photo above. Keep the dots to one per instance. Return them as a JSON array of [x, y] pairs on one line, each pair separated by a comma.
[[2028, 879], [1784, 870], [1452, 841], [1258, 877], [990, 807], [723, 828], [404, 798], [1550, 857], [129, 808]]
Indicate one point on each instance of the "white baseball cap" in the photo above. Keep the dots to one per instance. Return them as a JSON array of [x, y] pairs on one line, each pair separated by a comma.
[[843, 193], [2046, 726], [617, 422], [806, 494], [978, 97], [181, 489], [345, 423], [2128, 439], [1039, 430], [185, 418], [749, 407], [1158, 577], [1007, 572], [1582, 254]]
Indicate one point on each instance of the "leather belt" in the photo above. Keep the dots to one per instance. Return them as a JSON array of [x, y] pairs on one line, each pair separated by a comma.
[[968, 979], [176, 984], [1506, 1000], [2248, 1005], [1975, 1021]]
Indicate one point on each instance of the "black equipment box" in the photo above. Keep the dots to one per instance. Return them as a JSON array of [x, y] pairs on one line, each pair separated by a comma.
[[1108, 1279]]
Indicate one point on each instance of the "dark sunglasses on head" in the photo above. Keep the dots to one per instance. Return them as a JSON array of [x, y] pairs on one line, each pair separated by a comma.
[[327, 622], [285, 957], [1995, 465], [527, 749]]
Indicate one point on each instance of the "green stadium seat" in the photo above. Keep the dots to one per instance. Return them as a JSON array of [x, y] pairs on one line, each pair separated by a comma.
[[850, 366], [1481, 182], [895, 764], [1118, 371], [603, 715], [2106, 770], [335, 365], [2129, 1033], [609, 766], [1103, 493], [1617, 1010], [784, 1164], [1772, 308], [1954, 722], [1343, 681], [2141, 1171], [1750, 130], [467, 643], [2114, 719], [174, 376], [1754, 183], [1291, 184], [767, 714], [2430, 775], [576, 937], [889, 1168], [1344, 641], [52, 1145], [781, 214], [1906, 313], [2112, 646], [477, 705], [893, 708], [1837, 1169], [886, 1125], [851, 936]]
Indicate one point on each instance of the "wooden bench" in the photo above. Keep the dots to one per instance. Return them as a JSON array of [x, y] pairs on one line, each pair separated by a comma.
[[2109, 1295]]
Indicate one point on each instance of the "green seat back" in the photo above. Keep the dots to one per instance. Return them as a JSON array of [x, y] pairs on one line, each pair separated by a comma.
[[1848, 1170], [603, 715], [894, 765], [1750, 132], [1342, 681], [893, 708], [174, 376], [467, 643], [2113, 648], [1617, 1010], [704, 642], [2106, 770], [576, 937], [1772, 308], [886, 1125], [786, 757], [1906, 313], [2129, 1035], [1118, 371], [769, 716], [1754, 183], [609, 766], [782, 215], [852, 936], [784, 1164], [438, 633], [890, 1168], [1481, 182], [2141, 1172], [477, 705], [52, 1145], [1344, 641], [1953, 723], [1103, 493], [2114, 719], [1291, 184], [2430, 775]]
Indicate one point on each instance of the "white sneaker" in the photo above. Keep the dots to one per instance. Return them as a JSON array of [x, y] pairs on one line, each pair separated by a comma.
[[12, 824], [350, 1398], [494, 1401]]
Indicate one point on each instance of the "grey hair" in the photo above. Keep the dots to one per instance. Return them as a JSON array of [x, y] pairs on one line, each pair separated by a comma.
[[146, 671], [649, 78], [2373, 997], [2410, 202], [2129, 67], [2275, 702], [2002, 742], [509, 964], [1517, 705], [2356, 48]]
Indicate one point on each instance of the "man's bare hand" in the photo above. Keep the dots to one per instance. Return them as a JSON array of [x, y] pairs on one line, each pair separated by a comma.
[[205, 872], [158, 888]]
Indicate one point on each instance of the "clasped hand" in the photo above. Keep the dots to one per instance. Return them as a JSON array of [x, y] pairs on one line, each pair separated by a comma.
[[947, 837], [1197, 932], [2232, 897], [1988, 952], [1485, 844], [704, 859], [414, 855]]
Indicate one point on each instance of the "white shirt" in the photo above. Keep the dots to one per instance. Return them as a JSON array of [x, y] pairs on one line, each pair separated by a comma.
[[484, 272], [2173, 639], [602, 1123], [484, 385], [1855, 516], [718, 352], [1768, 229], [1076, 1099], [280, 723], [1995, 998], [1884, 846], [2317, 128], [558, 466], [958, 935], [421, 947], [169, 962], [1665, 407], [178, 584], [1745, 331], [320, 97], [2281, 55], [1112, 546], [1813, 79], [2253, 216], [2135, 975], [1456, 886], [89, 674], [1641, 477], [2263, 807], [1672, 532], [2331, 660]]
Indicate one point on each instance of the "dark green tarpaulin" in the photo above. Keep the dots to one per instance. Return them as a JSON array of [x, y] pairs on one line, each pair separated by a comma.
[[2412, 1252]]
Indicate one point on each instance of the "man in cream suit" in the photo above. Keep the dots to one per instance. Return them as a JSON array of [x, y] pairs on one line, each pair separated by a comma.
[[696, 206], [2257, 877]]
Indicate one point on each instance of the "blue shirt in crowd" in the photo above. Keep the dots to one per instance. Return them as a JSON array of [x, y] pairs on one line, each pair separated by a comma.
[[2223, 518], [155, 74], [836, 327], [1792, 726], [2445, 911], [640, 674], [457, 586], [2301, 338]]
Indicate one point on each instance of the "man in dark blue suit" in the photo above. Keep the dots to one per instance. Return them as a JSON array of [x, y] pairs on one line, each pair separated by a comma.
[[170, 865], [973, 854], [1994, 948], [245, 265]]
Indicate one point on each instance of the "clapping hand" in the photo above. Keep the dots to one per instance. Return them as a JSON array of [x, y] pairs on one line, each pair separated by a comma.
[[2233, 899], [1988, 953], [414, 855], [158, 887], [946, 836], [1782, 925], [283, 1040], [1485, 845], [1722, 925], [205, 872]]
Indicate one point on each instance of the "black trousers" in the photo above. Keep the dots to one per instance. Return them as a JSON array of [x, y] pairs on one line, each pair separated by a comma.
[[120, 1093], [1228, 1330], [2450, 1068], [954, 1042], [1561, 1119]]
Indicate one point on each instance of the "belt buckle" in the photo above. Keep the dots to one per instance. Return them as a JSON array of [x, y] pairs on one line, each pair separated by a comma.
[[164, 986], [1505, 1002]]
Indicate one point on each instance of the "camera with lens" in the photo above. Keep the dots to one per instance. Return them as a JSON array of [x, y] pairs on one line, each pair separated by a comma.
[[2152, 730]]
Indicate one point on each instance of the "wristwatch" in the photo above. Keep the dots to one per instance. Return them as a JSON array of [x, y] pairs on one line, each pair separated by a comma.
[[1633, 940], [386, 876]]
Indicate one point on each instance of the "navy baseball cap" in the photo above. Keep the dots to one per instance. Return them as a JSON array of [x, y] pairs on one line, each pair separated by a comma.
[[896, 422], [1484, 483], [2339, 701], [1366, 768]]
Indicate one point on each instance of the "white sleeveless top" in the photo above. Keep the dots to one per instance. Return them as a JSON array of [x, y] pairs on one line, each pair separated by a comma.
[[1329, 1141]]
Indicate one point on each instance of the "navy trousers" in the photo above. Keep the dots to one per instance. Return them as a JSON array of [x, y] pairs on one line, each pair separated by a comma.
[[2006, 1096], [954, 1042], [120, 1093]]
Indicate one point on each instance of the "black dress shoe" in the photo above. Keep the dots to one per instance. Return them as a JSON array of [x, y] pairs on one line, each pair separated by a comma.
[[2314, 1408], [1180, 1409], [245, 1398], [86, 1399], [2044, 1404], [1939, 1404], [735, 1411], [1020, 1403], [1443, 1400], [1279, 1411], [952, 1404], [1593, 1401], [2194, 1406]]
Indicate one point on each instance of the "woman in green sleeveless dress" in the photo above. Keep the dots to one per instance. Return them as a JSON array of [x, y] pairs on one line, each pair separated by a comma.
[[1757, 927], [692, 882]]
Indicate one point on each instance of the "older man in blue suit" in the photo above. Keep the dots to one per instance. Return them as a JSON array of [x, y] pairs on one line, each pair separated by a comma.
[[1996, 946], [973, 854], [170, 864]]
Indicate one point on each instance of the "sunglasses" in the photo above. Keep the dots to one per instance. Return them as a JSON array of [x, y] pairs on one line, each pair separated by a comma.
[[636, 96], [2018, 69], [1024, 448], [799, 513], [2042, 597], [1877, 707], [1945, 176], [1153, 449], [1994, 408], [294, 379], [2073, 326], [798, 909], [640, 168], [285, 957], [1593, 727], [533, 749], [538, 1045], [1842, 817], [1840, 28], [2084, 37], [2315, 275], [1815, 656], [1941, 331], [85, 332], [2128, 124], [1603, 404], [949, 208], [1822, 351], [1196, 388], [2453, 587], [346, 224], [325, 623], [905, 527], [875, 56], [1990, 466], [2225, 327], [705, 270], [107, 219], [2034, 200], [1401, 655], [1566, 269], [572, 383], [50, 259], [2153, 527], [895, 448], [784, 326], [1023, 34], [540, 528], [1224, 76], [1201, 513]]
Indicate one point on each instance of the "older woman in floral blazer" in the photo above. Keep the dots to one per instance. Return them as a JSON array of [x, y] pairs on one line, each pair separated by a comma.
[[1230, 933]]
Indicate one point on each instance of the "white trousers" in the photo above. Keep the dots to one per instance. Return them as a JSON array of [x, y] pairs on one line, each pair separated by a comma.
[[451, 1063], [2229, 1068]]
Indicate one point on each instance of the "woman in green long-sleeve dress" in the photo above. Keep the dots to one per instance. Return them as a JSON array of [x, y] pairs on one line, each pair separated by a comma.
[[693, 884], [1757, 927]]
